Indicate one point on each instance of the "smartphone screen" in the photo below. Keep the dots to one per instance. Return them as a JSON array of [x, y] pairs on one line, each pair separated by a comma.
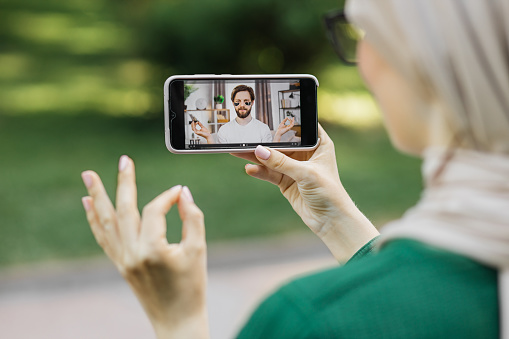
[[229, 114]]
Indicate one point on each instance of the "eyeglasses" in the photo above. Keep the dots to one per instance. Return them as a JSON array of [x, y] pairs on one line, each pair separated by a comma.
[[343, 35], [247, 103]]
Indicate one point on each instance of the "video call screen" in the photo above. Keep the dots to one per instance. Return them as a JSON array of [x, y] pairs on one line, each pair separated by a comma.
[[236, 113]]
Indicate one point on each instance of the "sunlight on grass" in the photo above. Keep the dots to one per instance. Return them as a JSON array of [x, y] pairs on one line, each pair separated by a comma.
[[114, 89], [82, 5], [134, 72], [351, 109], [68, 31], [87, 94], [13, 64]]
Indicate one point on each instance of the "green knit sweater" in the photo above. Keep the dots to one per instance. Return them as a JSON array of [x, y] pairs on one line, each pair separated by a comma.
[[406, 290]]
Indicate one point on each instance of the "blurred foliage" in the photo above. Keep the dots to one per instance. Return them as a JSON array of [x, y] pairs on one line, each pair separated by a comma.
[[231, 36], [111, 57], [70, 57]]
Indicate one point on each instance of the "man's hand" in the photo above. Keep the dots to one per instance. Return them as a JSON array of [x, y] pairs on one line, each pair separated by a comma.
[[283, 128], [168, 279], [203, 131]]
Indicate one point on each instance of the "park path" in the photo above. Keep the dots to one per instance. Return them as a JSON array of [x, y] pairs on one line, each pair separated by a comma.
[[88, 298]]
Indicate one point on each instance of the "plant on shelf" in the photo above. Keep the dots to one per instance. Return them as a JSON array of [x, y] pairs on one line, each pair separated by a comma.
[[219, 99], [188, 90]]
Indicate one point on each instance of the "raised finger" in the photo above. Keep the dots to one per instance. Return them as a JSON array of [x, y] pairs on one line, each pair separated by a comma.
[[128, 216], [95, 226], [102, 203], [153, 221], [193, 226]]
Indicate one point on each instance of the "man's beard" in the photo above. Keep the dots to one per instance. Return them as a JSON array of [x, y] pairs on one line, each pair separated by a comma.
[[243, 115]]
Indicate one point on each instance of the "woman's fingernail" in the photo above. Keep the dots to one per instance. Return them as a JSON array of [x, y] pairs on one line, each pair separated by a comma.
[[187, 193], [87, 179], [176, 187], [122, 164], [248, 166], [86, 203], [262, 153]]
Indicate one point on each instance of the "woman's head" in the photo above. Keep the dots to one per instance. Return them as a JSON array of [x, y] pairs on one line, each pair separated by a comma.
[[439, 70]]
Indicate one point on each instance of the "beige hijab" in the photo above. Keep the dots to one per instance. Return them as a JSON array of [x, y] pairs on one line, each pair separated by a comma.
[[455, 53]]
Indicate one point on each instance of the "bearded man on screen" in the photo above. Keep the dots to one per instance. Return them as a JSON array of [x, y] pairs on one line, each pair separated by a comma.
[[244, 128]]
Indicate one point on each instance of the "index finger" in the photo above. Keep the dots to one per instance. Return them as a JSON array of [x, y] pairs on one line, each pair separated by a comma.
[[102, 203], [251, 157], [127, 202], [246, 156]]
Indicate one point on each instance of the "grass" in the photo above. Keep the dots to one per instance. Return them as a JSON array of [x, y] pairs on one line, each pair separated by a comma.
[[41, 158]]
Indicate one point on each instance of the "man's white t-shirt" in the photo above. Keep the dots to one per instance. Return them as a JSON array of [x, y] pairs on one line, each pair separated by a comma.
[[254, 132]]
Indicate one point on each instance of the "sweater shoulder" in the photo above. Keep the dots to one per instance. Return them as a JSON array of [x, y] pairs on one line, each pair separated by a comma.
[[406, 290]]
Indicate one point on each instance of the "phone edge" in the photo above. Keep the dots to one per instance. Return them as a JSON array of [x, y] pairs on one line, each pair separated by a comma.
[[167, 138]]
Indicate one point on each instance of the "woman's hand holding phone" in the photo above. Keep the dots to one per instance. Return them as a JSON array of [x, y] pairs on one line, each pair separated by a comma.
[[309, 180], [168, 279]]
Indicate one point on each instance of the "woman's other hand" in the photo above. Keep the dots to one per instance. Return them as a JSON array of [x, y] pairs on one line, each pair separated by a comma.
[[168, 279], [310, 181]]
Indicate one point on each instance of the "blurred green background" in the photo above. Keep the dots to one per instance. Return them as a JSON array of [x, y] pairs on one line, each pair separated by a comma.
[[81, 84]]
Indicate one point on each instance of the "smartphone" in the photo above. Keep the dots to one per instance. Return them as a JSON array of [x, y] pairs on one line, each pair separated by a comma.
[[235, 113]]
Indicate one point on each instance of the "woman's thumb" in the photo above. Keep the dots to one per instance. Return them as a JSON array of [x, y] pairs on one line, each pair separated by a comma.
[[279, 162]]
